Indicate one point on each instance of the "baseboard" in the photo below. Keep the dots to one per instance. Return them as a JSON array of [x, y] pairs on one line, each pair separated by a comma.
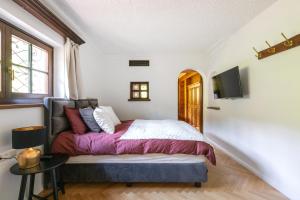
[[231, 155], [275, 184]]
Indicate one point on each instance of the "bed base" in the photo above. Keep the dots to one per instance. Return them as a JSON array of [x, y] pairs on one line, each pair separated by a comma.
[[130, 173]]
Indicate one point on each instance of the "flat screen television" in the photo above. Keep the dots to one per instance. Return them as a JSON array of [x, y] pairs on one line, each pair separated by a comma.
[[228, 84]]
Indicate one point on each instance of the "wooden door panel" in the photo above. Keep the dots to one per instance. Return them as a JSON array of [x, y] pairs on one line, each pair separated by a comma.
[[194, 105]]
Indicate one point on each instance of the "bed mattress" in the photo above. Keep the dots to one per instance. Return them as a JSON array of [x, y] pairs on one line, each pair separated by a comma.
[[137, 158]]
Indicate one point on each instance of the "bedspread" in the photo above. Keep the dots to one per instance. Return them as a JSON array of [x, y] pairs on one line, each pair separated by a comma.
[[111, 144]]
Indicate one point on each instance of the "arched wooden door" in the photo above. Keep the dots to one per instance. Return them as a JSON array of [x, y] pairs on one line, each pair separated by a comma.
[[190, 98]]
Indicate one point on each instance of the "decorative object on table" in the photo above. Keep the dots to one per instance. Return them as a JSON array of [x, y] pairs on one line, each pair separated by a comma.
[[52, 165], [287, 44], [28, 137]]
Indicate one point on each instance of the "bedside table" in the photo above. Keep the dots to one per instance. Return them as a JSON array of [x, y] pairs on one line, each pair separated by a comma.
[[48, 164]]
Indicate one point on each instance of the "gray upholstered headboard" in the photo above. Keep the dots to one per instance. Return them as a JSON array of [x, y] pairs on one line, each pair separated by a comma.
[[54, 116]]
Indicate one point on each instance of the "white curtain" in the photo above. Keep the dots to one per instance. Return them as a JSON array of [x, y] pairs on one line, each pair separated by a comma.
[[71, 69]]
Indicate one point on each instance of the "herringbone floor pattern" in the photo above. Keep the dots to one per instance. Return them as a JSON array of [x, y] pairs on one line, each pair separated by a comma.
[[228, 180]]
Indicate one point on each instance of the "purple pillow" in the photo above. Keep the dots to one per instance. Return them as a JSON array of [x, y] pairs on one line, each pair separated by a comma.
[[73, 115]]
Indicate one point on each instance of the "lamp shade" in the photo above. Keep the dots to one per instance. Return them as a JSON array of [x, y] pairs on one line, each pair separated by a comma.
[[27, 137]]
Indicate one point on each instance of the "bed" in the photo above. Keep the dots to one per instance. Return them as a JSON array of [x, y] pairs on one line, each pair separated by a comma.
[[121, 162]]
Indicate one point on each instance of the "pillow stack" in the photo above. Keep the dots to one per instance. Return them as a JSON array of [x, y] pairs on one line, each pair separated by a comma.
[[102, 118]]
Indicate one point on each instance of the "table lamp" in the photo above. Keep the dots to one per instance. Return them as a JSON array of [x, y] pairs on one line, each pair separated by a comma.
[[26, 138]]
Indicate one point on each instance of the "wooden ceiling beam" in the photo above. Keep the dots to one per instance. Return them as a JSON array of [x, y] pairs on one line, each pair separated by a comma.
[[41, 12]]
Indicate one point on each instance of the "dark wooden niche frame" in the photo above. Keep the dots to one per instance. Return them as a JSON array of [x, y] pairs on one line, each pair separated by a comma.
[[132, 98], [41, 12], [289, 43]]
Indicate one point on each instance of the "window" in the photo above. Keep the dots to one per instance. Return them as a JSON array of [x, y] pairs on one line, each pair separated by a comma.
[[139, 91], [26, 67]]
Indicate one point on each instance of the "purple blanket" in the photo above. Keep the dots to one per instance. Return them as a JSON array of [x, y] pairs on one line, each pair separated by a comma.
[[106, 144]]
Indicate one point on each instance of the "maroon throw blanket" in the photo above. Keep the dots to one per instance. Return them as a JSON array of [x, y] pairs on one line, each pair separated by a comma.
[[110, 144]]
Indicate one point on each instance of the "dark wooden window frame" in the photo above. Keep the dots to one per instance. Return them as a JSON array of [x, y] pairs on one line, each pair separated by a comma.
[[139, 90], [9, 99]]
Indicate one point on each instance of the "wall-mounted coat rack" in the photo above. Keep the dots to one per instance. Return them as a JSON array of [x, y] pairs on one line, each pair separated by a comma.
[[283, 46]]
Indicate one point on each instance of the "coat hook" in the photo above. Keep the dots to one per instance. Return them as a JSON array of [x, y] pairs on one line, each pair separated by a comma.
[[258, 55], [271, 49], [268, 44], [287, 42]]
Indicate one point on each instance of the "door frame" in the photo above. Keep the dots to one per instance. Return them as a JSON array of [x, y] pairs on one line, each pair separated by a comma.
[[201, 99]]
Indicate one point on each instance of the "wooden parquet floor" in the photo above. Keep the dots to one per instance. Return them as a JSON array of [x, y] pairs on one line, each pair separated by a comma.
[[228, 180]]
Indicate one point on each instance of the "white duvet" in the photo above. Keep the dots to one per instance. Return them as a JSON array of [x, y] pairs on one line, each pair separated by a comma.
[[161, 129]]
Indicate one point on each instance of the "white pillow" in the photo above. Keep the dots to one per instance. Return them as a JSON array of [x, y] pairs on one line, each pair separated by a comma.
[[104, 121], [111, 114]]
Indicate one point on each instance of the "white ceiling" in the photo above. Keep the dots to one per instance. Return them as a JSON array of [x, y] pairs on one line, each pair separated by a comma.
[[144, 26]]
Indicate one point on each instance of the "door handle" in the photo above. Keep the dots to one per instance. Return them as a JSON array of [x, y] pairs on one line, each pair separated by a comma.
[[11, 72]]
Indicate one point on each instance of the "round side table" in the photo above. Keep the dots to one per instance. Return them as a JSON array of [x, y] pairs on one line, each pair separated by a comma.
[[49, 163]]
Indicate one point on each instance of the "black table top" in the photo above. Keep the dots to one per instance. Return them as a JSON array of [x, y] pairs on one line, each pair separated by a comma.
[[45, 164]]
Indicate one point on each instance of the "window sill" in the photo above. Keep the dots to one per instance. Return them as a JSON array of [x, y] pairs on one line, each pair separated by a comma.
[[14, 106], [139, 99]]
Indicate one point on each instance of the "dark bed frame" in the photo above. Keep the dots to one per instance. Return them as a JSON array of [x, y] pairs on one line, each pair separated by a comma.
[[129, 173]]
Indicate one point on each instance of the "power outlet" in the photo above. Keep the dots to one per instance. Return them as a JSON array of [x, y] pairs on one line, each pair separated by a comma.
[[8, 154]]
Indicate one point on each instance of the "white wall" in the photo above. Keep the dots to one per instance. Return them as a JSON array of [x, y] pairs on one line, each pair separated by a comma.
[[110, 78], [90, 73], [262, 130], [13, 118]]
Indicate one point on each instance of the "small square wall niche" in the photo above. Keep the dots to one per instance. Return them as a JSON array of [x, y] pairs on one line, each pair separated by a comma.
[[139, 91]]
